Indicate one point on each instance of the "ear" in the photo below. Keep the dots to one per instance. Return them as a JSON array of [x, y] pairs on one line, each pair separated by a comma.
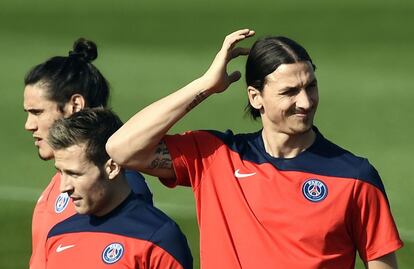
[[112, 169], [255, 97], [76, 103]]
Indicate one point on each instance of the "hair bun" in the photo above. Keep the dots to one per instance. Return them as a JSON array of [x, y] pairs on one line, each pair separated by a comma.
[[84, 49]]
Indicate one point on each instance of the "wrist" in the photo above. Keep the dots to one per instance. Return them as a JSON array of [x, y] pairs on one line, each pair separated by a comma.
[[204, 86]]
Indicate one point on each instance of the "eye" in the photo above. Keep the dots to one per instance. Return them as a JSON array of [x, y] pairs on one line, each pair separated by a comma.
[[35, 112], [73, 174], [70, 173], [290, 91]]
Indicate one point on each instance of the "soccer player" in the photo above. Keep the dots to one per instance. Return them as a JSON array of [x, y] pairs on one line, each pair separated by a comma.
[[281, 197], [54, 89], [115, 227]]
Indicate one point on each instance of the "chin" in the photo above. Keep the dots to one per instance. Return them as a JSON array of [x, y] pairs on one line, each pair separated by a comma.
[[82, 211], [45, 156], [301, 129]]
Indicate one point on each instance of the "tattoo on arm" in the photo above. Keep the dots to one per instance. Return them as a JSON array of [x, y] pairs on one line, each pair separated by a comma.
[[162, 158], [200, 97]]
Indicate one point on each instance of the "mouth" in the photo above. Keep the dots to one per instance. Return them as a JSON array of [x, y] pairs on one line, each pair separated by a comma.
[[37, 140], [303, 114]]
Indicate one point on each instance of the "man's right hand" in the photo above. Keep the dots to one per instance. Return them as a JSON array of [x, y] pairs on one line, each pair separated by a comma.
[[216, 78]]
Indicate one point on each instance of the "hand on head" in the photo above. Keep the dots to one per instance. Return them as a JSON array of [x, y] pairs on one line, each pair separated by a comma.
[[216, 76]]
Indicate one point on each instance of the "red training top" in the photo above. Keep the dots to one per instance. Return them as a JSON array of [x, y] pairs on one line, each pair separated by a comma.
[[256, 211], [53, 207], [133, 235]]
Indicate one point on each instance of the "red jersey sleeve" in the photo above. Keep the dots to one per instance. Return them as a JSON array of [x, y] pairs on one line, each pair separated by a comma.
[[159, 258], [374, 229], [191, 153]]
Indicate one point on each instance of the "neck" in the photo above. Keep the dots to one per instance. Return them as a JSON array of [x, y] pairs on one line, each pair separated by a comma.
[[119, 191], [283, 145]]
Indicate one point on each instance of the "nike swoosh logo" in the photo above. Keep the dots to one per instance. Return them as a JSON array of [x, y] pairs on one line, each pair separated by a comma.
[[241, 175], [61, 248]]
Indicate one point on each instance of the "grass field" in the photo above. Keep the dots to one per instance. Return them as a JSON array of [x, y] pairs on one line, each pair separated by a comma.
[[363, 50]]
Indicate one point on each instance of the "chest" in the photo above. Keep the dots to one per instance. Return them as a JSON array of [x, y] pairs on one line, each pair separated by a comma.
[[94, 250], [307, 206]]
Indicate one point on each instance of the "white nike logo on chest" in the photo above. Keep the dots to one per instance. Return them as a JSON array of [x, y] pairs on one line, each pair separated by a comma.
[[242, 175], [61, 248]]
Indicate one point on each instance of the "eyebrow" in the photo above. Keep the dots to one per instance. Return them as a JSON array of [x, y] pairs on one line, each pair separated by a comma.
[[314, 80], [288, 89], [70, 171]]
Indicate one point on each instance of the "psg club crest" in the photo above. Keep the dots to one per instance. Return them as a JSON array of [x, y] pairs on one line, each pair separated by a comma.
[[112, 253], [61, 202], [314, 190]]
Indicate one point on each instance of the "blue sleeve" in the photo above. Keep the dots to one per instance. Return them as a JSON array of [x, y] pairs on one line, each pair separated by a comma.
[[138, 185], [170, 238]]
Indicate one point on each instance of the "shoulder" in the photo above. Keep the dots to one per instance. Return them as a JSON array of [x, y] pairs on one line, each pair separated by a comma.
[[338, 161], [231, 139], [227, 137], [134, 218], [136, 182], [207, 140], [170, 238]]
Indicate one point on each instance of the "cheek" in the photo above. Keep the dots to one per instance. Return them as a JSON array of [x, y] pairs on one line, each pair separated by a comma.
[[315, 96], [279, 108], [49, 118], [96, 192], [45, 123]]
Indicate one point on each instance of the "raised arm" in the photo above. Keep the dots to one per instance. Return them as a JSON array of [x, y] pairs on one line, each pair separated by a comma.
[[138, 144]]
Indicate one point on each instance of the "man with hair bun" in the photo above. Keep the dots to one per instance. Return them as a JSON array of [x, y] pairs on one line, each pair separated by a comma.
[[281, 197], [54, 89], [114, 226]]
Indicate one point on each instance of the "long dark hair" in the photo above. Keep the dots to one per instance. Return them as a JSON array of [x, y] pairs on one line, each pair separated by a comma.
[[265, 56], [64, 76]]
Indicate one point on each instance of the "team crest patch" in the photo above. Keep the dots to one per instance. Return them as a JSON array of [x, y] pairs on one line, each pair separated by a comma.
[[112, 253], [314, 190], [61, 202]]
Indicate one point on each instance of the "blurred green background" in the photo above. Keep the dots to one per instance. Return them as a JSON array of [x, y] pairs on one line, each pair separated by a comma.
[[147, 49]]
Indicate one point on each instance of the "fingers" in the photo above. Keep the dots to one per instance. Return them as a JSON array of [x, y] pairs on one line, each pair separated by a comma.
[[235, 37], [235, 76], [242, 33], [238, 51]]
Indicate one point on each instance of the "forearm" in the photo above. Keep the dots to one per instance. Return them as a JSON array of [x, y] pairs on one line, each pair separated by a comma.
[[137, 144], [140, 135]]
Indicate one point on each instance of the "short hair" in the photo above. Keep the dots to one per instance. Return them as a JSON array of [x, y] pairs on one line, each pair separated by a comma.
[[265, 56], [91, 126], [64, 76]]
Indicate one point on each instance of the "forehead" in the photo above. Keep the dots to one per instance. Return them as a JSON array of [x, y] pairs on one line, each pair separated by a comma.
[[72, 157], [35, 95], [292, 75]]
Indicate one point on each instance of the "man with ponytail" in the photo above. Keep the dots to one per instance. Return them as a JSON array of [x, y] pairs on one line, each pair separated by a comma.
[[283, 196], [57, 88]]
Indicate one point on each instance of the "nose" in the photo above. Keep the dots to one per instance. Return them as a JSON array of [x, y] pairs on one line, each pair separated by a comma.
[[304, 99], [30, 124], [65, 184]]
